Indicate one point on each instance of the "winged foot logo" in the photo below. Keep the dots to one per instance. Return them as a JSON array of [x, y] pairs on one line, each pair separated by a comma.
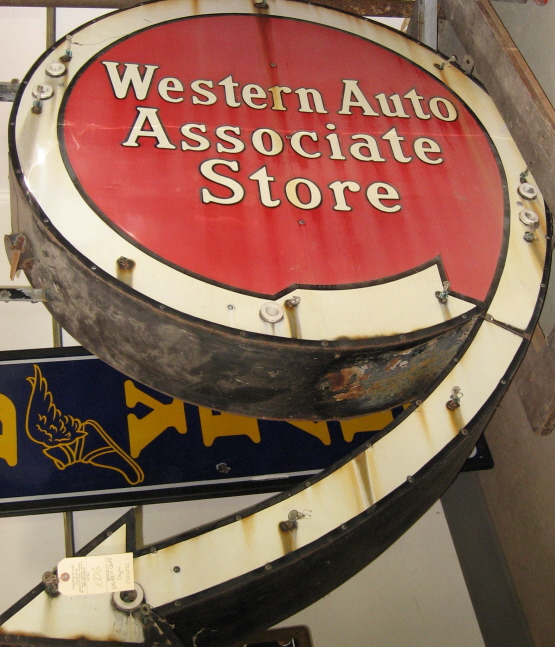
[[67, 440]]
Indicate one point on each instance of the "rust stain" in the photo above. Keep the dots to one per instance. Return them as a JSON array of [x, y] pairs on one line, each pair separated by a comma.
[[392, 364], [292, 318], [288, 538], [124, 270], [361, 463]]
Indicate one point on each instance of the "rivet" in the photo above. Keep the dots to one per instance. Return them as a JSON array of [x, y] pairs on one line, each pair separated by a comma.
[[153, 550], [542, 285], [410, 479], [177, 603], [231, 307], [176, 569], [401, 336], [242, 333], [307, 484], [344, 526], [464, 316], [237, 517], [162, 306], [418, 403], [369, 445], [273, 64], [271, 312], [528, 191], [268, 567], [56, 69], [302, 222], [503, 381], [464, 432], [324, 343], [93, 267], [456, 360]]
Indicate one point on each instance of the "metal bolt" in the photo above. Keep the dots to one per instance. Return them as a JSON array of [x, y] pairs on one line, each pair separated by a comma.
[[51, 584], [524, 173], [443, 295], [440, 66], [293, 302], [125, 263], [528, 191], [68, 54], [288, 526], [454, 401], [529, 237]]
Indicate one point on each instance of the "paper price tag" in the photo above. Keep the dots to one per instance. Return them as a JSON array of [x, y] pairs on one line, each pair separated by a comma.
[[96, 574]]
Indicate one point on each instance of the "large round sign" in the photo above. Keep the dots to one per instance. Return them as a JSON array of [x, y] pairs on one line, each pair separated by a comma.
[[298, 156], [285, 213]]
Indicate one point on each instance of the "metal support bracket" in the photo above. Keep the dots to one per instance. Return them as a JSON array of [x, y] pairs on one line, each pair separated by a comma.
[[8, 90], [23, 294]]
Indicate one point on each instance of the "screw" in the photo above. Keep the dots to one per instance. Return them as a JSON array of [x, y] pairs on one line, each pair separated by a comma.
[[288, 526], [442, 296], [529, 237], [125, 263], [68, 55], [440, 66], [454, 401]]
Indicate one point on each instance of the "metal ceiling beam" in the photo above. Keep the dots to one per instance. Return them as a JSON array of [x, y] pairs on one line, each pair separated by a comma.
[[390, 8]]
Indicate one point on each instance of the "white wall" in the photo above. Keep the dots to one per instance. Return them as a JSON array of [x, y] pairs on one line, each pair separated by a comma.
[[532, 27]]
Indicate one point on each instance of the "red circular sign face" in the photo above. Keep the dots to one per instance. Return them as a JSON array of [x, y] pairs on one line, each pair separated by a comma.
[[263, 153]]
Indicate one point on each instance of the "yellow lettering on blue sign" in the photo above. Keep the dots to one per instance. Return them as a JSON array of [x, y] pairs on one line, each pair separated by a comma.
[[318, 429], [215, 424], [373, 422], [142, 431], [8, 431]]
